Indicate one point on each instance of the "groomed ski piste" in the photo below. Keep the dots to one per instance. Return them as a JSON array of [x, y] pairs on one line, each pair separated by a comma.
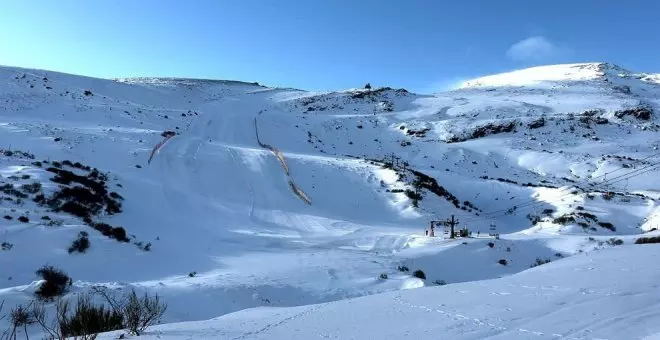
[[561, 161]]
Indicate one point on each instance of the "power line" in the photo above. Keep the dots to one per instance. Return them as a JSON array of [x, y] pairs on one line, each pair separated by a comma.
[[533, 203], [578, 183]]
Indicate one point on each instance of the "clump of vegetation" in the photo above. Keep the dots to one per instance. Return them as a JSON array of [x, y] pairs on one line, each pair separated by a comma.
[[419, 274], [84, 200], [402, 268], [502, 262], [414, 196], [56, 282], [607, 225], [491, 244], [9, 189], [383, 276], [646, 240], [615, 241], [641, 113], [423, 181], [564, 219], [540, 261], [485, 130], [6, 246], [32, 188], [19, 317], [138, 313], [192, 274], [23, 219], [87, 319], [440, 282], [117, 233], [80, 244]]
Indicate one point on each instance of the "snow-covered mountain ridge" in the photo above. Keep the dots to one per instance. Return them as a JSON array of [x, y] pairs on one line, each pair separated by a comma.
[[332, 195]]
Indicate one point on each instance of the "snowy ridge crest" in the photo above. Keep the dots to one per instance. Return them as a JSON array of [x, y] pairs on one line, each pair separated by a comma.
[[549, 73]]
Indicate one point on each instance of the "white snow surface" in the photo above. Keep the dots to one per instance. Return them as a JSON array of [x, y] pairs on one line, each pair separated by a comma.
[[560, 159], [607, 294]]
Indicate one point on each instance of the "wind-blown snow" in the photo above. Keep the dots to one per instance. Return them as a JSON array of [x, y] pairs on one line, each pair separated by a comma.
[[541, 74]]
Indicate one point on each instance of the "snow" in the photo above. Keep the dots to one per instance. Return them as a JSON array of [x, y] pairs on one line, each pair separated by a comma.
[[548, 73], [608, 294], [216, 202]]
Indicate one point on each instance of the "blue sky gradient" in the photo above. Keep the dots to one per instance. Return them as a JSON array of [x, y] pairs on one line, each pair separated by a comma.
[[424, 46]]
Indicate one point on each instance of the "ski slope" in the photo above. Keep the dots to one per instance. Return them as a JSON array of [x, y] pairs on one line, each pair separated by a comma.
[[559, 159]]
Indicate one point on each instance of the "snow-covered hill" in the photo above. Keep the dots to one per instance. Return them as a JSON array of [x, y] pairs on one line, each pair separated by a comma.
[[262, 196]]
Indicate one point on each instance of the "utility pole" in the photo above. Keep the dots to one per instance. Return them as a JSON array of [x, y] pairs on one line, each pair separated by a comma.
[[451, 224]]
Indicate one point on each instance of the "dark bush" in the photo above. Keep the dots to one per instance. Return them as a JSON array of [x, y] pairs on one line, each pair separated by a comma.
[[23, 219], [419, 274], [440, 282], [646, 240], [641, 113], [607, 225], [565, 219], [588, 216], [539, 262], [88, 93], [118, 233], [502, 262], [9, 189], [615, 241], [383, 276], [80, 244], [429, 183], [402, 268], [56, 282], [32, 188], [88, 319], [6, 246], [192, 274], [7, 217], [491, 244]]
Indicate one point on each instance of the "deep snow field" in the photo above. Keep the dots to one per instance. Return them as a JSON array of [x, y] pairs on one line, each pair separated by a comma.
[[561, 161]]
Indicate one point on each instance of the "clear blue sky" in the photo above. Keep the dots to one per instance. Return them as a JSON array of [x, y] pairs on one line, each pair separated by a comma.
[[325, 44]]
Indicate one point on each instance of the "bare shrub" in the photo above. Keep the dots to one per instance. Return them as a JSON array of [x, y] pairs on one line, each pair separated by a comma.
[[138, 313]]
